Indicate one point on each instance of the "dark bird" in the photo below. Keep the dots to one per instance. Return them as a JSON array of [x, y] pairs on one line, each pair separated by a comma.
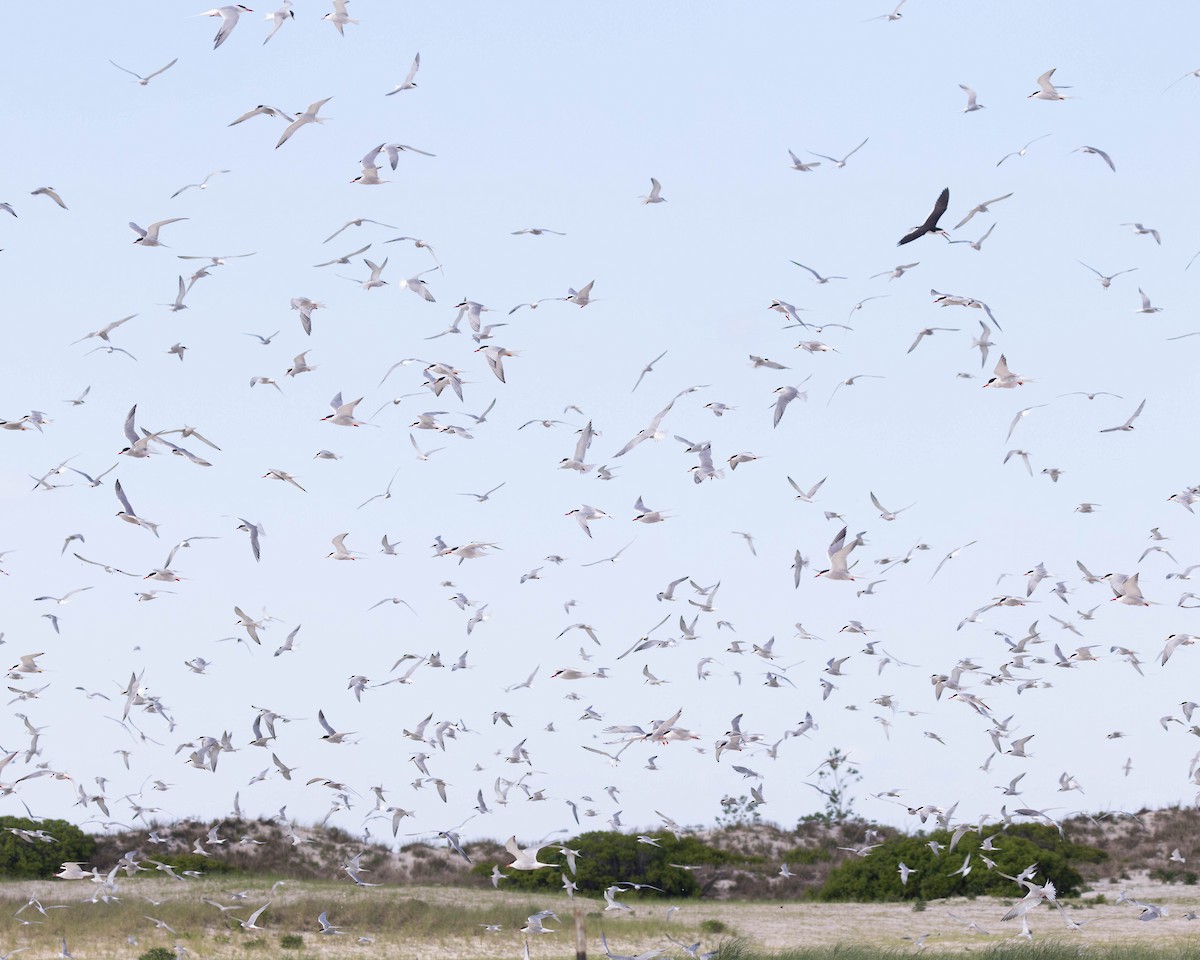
[[931, 222]]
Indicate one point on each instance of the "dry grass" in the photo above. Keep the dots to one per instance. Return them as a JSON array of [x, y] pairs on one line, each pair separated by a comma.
[[444, 923]]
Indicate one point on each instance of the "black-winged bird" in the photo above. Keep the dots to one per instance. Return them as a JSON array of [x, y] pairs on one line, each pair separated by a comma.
[[931, 222]]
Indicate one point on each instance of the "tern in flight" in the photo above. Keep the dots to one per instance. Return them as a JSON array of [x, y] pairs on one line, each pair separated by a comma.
[[1146, 308], [408, 83], [202, 185], [972, 104], [1128, 424], [895, 273], [1046, 90], [931, 222], [929, 332], [976, 245], [251, 923], [339, 18], [894, 15], [142, 81], [262, 110], [279, 18], [370, 172], [1099, 153], [46, 192], [1142, 231], [798, 164], [149, 236], [1004, 378], [1105, 280], [784, 396], [127, 512], [356, 223], [816, 276], [980, 208], [308, 116], [885, 513], [1021, 152], [648, 368], [839, 554], [806, 496], [1190, 73], [229, 18], [840, 163], [654, 196]]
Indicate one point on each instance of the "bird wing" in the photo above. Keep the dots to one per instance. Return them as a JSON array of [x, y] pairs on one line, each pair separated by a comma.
[[943, 201], [930, 224], [291, 128], [151, 76], [124, 499]]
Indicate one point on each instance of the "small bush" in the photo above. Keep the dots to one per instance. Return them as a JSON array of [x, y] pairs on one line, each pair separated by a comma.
[[206, 865], [713, 926], [808, 855], [291, 941], [918, 906], [158, 953], [607, 859]]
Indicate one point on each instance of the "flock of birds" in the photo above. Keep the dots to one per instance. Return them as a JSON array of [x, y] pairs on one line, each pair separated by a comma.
[[465, 369]]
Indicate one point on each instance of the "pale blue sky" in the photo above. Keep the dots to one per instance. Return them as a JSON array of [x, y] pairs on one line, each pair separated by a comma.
[[548, 116]]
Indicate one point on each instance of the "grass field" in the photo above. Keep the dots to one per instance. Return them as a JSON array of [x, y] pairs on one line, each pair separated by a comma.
[[442, 923], [736, 950]]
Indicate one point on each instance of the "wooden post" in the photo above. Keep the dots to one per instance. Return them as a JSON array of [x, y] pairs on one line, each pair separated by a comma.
[[580, 935]]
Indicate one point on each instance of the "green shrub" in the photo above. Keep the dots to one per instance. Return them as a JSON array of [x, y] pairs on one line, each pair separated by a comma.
[[37, 859], [875, 877], [713, 926], [291, 941], [807, 856], [205, 865], [607, 858], [158, 953]]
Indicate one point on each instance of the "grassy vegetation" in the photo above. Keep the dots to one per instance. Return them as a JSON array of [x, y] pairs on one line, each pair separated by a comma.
[[741, 950], [432, 904], [444, 923], [412, 916]]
